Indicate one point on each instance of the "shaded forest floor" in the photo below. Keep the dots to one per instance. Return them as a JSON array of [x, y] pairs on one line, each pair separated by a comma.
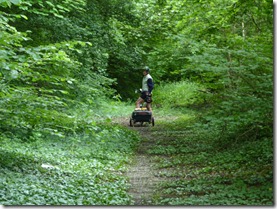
[[171, 167], [172, 163]]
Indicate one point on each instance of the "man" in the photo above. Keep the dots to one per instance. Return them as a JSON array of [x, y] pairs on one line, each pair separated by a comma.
[[147, 87]]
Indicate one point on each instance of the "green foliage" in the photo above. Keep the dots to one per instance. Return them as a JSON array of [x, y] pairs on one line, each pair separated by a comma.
[[63, 64], [36, 99], [114, 51], [226, 46], [9, 3], [78, 170], [206, 174], [178, 95], [41, 84], [244, 109]]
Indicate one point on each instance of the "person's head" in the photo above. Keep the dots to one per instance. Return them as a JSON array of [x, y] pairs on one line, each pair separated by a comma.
[[146, 70]]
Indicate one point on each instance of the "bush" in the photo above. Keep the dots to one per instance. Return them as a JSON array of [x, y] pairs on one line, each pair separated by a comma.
[[179, 94]]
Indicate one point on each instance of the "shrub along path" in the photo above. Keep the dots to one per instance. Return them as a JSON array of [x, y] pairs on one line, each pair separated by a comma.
[[175, 166]]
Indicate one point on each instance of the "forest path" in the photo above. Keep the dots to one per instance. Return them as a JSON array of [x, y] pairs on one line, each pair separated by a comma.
[[173, 165], [142, 171]]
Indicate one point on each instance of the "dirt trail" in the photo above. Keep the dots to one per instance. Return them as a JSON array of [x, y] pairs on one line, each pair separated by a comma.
[[142, 171]]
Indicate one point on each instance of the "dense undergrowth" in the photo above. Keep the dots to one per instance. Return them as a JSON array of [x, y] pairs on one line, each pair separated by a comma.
[[202, 160], [199, 172], [84, 168]]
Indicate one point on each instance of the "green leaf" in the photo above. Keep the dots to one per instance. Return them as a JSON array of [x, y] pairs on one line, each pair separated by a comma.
[[16, 2]]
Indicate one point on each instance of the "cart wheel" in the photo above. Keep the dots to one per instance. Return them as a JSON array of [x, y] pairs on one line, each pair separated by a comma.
[[153, 121], [141, 123], [132, 123]]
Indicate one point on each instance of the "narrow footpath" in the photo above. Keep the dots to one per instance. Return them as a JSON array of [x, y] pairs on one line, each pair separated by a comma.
[[142, 170], [145, 176]]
